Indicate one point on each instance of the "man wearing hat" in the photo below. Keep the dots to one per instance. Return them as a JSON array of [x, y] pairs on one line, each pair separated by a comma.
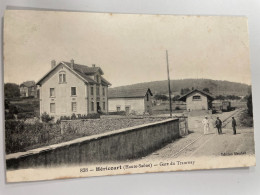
[[219, 125], [234, 124]]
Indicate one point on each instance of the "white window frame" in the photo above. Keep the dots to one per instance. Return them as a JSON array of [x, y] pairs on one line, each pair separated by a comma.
[[52, 95], [52, 111], [62, 77], [72, 90]]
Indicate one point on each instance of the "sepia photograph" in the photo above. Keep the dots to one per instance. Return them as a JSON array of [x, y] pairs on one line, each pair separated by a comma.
[[96, 94]]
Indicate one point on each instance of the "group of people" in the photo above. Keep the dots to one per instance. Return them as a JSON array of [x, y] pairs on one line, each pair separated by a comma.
[[218, 125]]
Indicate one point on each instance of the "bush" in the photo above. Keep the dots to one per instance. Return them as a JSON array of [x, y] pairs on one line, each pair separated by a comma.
[[58, 121], [246, 120], [25, 115], [250, 105], [84, 116], [73, 116], [13, 126], [78, 116], [13, 109], [93, 116], [7, 102], [9, 116], [20, 136], [65, 118], [46, 118], [117, 113]]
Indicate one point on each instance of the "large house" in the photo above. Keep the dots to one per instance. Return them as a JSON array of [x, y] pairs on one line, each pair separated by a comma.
[[73, 88], [132, 101], [197, 100], [28, 89]]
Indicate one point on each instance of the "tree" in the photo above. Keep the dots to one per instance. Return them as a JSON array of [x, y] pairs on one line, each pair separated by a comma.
[[206, 89], [220, 97], [185, 90], [250, 105], [11, 90], [46, 118], [175, 98], [182, 91], [161, 97]]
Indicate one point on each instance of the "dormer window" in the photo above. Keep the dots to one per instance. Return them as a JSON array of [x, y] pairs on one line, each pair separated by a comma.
[[62, 77]]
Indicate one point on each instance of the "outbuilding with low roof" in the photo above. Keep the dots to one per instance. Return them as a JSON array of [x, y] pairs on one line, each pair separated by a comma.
[[197, 100], [132, 101]]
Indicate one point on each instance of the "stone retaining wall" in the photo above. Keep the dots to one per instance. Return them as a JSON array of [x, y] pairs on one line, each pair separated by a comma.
[[116, 145]]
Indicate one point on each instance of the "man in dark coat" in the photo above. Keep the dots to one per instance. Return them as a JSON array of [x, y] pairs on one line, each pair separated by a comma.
[[219, 125], [234, 124]]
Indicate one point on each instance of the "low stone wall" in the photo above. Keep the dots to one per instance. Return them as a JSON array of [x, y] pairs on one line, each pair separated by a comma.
[[117, 145]]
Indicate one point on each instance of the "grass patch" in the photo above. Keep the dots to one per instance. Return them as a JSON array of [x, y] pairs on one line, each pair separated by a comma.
[[245, 119]]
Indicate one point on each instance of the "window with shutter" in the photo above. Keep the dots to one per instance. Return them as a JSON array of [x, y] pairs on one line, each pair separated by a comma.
[[74, 106]]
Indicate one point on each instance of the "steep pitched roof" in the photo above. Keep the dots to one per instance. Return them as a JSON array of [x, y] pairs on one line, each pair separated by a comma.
[[183, 98], [82, 71], [128, 93], [104, 81], [85, 69], [28, 84]]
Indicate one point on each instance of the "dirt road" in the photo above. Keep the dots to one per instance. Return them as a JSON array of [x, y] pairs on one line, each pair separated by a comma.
[[197, 144]]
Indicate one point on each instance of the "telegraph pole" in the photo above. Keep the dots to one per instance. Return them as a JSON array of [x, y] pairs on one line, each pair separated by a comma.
[[169, 84]]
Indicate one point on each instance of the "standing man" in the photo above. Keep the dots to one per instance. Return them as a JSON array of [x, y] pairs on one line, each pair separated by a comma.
[[234, 124], [205, 123], [219, 125]]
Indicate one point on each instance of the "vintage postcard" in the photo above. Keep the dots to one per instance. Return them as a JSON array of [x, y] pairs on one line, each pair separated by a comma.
[[95, 94]]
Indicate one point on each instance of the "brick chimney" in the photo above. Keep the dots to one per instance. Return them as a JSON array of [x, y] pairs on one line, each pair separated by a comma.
[[72, 63], [93, 65], [53, 64]]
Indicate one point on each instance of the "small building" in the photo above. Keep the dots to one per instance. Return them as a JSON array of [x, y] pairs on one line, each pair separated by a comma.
[[226, 105], [28, 89], [132, 101], [197, 100], [69, 88]]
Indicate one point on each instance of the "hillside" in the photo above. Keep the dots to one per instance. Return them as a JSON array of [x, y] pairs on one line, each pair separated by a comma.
[[215, 87]]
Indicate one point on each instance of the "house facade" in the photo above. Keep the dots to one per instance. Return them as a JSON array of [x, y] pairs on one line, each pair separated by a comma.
[[70, 88], [28, 89], [131, 101], [197, 100]]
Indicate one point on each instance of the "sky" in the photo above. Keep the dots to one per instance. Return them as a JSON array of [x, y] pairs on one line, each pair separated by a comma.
[[130, 48]]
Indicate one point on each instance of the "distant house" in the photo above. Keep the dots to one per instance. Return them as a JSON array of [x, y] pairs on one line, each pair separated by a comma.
[[138, 101], [28, 89], [197, 100], [73, 88]]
